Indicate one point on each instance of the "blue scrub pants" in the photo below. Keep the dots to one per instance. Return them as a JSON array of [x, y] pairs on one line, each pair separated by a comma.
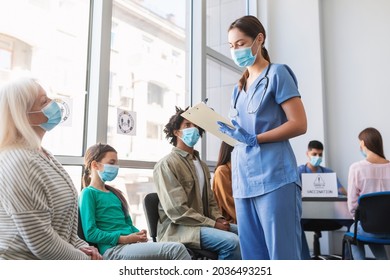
[[269, 225]]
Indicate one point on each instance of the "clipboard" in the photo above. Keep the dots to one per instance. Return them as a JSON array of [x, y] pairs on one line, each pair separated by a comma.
[[206, 118]]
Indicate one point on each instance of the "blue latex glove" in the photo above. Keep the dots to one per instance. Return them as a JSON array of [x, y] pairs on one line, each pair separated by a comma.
[[238, 133]]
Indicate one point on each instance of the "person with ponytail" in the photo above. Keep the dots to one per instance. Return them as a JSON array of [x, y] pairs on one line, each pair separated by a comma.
[[266, 111], [372, 174], [105, 215]]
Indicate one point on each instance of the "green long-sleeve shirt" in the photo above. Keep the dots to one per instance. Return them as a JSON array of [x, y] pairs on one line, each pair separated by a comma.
[[103, 219]]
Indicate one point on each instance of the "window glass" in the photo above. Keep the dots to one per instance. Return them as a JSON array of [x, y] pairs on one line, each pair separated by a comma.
[[220, 84], [49, 39], [220, 14], [148, 65], [75, 173]]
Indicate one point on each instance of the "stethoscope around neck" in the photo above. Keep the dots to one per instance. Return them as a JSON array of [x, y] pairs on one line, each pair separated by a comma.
[[234, 112]]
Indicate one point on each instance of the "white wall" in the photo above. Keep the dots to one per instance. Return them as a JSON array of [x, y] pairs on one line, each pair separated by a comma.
[[293, 38], [340, 53], [356, 45]]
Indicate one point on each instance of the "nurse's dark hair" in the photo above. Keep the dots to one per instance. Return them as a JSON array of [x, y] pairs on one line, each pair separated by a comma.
[[314, 144], [174, 124], [224, 156], [373, 140], [96, 153], [250, 26]]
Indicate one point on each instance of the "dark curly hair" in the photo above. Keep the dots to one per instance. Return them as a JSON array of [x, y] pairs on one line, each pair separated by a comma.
[[174, 124]]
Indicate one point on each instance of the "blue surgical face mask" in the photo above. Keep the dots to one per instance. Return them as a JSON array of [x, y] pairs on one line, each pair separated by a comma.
[[364, 154], [315, 161], [53, 113], [243, 57], [190, 136], [109, 172]]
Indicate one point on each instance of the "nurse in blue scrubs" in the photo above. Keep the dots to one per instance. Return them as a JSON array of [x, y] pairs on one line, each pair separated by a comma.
[[266, 111]]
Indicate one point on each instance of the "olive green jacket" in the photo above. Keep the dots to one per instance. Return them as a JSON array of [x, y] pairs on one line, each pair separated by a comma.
[[183, 210]]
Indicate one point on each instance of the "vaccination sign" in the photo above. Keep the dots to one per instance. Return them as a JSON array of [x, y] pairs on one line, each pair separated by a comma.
[[319, 185]]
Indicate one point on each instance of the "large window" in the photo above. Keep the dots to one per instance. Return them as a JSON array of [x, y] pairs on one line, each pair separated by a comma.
[[220, 14], [119, 66], [220, 83], [50, 39], [222, 74], [148, 66]]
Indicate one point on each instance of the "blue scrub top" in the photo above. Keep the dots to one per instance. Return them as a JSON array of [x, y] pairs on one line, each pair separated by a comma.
[[268, 166]]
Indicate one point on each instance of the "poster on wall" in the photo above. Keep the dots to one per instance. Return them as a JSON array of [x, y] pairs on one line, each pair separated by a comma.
[[126, 121], [66, 106]]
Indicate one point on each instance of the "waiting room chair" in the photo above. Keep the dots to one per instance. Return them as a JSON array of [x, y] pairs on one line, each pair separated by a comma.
[[373, 212], [151, 202], [80, 231], [317, 226]]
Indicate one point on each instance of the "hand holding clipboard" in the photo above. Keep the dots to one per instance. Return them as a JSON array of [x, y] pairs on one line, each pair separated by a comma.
[[206, 118]]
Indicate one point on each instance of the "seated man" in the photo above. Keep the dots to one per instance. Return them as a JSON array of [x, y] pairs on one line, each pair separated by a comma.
[[314, 153], [189, 212]]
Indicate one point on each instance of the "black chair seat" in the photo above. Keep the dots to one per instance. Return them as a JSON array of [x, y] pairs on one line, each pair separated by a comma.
[[373, 213], [151, 202]]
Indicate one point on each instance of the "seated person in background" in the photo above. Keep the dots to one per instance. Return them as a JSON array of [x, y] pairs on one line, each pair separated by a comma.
[[222, 184], [367, 176], [314, 154], [189, 212], [38, 201], [105, 215]]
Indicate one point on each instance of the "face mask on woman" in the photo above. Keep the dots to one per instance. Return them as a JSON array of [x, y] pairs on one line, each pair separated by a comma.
[[53, 113], [190, 136], [243, 57], [109, 172]]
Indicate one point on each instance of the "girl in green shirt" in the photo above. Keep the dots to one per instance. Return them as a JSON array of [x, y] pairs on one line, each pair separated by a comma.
[[105, 215]]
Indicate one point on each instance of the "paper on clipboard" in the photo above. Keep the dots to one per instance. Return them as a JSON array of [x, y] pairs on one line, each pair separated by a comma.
[[206, 118]]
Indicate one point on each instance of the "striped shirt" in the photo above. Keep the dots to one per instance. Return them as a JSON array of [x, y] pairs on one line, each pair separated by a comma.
[[38, 208]]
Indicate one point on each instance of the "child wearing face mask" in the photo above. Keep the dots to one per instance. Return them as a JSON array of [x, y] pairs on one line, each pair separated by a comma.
[[105, 215]]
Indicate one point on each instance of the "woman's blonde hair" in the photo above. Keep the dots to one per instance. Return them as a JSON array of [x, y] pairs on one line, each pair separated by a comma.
[[16, 100]]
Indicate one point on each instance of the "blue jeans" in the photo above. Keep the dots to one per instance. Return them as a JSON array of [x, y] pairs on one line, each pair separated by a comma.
[[224, 243], [148, 251]]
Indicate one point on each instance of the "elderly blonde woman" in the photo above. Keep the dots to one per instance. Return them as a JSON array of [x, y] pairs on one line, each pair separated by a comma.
[[38, 202]]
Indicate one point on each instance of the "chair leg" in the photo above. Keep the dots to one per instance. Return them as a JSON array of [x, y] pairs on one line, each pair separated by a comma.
[[347, 250], [316, 245]]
